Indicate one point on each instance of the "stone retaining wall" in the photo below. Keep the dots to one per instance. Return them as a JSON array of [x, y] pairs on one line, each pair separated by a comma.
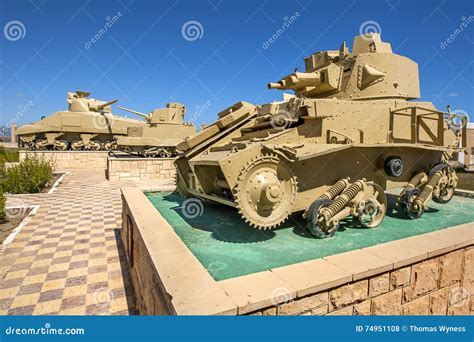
[[428, 274], [151, 299], [72, 160], [140, 169], [437, 286]]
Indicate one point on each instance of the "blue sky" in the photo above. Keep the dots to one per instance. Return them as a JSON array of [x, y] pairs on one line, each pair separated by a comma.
[[144, 60]]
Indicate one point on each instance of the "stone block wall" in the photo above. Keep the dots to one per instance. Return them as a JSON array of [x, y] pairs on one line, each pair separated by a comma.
[[437, 286], [151, 299], [72, 160], [140, 169]]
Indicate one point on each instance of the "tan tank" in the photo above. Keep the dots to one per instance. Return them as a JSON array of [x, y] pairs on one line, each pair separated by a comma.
[[330, 151], [88, 124]]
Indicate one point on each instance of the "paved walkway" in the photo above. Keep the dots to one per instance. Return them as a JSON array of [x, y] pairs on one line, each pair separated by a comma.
[[68, 259]]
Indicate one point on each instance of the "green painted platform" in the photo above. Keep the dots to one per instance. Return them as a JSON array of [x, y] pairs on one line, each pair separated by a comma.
[[228, 248]]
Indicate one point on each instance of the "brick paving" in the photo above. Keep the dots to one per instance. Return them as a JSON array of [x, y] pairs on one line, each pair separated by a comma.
[[68, 259]]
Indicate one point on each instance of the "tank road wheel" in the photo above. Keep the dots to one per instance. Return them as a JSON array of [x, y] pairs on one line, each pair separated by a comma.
[[408, 205], [371, 211], [77, 145], [315, 221], [126, 149], [41, 144], [444, 191], [95, 145], [60, 145], [27, 141], [164, 153], [265, 192], [108, 146]]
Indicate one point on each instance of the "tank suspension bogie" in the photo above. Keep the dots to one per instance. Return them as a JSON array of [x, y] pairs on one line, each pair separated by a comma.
[[344, 198], [439, 186], [417, 180], [336, 189], [363, 200], [411, 189], [87, 143]]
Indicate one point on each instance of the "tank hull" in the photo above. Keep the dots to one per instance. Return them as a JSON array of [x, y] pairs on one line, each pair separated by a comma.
[[331, 140], [97, 131]]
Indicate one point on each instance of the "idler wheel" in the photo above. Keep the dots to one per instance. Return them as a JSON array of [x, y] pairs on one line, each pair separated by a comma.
[[316, 222]]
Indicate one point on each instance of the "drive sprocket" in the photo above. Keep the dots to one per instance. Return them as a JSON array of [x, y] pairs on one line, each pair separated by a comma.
[[265, 191]]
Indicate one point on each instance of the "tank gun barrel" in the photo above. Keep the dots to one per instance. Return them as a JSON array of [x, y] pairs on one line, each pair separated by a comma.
[[273, 85], [102, 106], [143, 115], [297, 80]]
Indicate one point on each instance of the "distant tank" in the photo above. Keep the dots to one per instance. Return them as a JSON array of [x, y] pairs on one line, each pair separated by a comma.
[[88, 124], [330, 151], [164, 129]]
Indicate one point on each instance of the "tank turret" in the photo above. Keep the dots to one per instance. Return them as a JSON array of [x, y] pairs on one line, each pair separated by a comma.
[[173, 113], [78, 102], [371, 71]]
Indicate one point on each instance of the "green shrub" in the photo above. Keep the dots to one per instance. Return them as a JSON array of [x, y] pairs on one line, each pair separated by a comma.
[[31, 175], [2, 206], [8, 155]]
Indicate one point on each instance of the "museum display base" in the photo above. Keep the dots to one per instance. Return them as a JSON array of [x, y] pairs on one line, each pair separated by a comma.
[[72, 160], [136, 168], [430, 272], [118, 167]]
